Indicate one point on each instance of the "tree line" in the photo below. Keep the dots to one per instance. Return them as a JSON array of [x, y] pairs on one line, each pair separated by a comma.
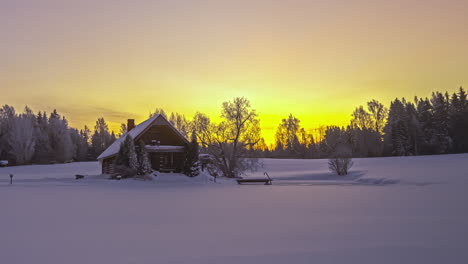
[[435, 125], [27, 138], [424, 126]]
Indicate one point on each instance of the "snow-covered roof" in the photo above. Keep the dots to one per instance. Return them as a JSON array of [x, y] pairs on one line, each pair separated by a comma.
[[114, 148]]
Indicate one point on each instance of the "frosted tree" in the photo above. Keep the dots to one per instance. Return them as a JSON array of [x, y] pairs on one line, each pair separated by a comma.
[[43, 150], [127, 160], [60, 139], [228, 141], [101, 138], [7, 117], [80, 142], [180, 123], [158, 111], [21, 137], [132, 155], [144, 164]]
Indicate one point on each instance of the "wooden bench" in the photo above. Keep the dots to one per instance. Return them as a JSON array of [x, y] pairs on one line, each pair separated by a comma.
[[266, 181]]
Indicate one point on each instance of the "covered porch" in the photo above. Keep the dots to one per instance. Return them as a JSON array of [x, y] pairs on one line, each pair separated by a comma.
[[166, 158]]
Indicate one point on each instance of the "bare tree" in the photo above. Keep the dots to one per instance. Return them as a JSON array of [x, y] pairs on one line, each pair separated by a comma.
[[228, 142], [361, 118], [379, 115], [180, 123]]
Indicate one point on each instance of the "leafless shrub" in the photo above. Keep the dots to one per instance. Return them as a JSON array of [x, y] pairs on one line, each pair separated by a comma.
[[340, 166], [341, 162]]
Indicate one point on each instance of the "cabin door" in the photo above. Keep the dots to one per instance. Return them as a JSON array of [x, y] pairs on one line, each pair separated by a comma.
[[166, 161], [163, 160]]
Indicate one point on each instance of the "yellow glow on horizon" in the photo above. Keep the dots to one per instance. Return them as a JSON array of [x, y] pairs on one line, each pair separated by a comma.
[[317, 60]]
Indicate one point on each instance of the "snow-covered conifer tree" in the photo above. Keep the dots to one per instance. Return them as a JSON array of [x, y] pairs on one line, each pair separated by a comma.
[[21, 137], [143, 160], [191, 165], [132, 155]]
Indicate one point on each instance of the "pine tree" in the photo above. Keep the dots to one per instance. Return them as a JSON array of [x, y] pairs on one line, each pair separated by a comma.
[[440, 105], [191, 164], [127, 160], [459, 121], [101, 138], [144, 161], [122, 156], [59, 137], [132, 155], [396, 130]]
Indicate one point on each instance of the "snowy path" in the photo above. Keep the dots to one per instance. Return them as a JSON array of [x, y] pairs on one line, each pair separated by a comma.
[[48, 217]]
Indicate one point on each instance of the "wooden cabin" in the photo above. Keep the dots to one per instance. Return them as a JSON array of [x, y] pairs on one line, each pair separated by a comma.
[[165, 144]]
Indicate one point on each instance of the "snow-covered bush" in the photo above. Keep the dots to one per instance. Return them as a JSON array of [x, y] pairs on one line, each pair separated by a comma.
[[144, 164], [342, 161], [126, 164]]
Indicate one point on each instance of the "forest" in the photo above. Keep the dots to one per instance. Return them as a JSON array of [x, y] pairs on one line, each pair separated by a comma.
[[422, 126]]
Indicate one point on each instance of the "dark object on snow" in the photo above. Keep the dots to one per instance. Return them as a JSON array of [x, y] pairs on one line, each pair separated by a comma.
[[78, 176], [11, 178], [267, 181]]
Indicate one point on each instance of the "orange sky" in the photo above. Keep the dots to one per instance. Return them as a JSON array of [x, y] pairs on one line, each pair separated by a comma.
[[314, 59]]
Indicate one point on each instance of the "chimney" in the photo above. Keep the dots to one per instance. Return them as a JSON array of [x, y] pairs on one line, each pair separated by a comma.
[[130, 124]]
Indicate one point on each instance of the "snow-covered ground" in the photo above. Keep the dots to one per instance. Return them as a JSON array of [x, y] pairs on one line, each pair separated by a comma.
[[389, 210]]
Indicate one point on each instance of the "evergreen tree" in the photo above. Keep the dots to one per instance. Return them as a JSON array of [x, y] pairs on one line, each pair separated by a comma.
[[101, 138], [59, 138], [425, 119], [396, 130], [7, 117], [459, 121], [292, 140], [132, 155], [191, 164], [144, 167], [441, 120], [43, 151], [127, 160], [122, 156]]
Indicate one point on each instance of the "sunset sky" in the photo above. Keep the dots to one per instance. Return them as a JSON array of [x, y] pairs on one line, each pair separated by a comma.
[[315, 59]]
